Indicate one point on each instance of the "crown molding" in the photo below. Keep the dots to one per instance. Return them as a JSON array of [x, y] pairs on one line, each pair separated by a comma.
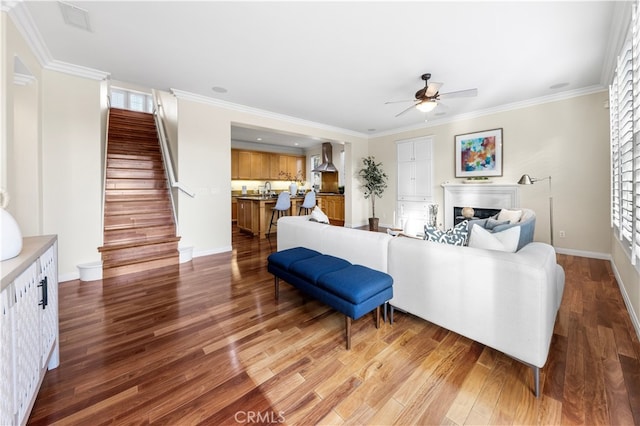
[[180, 94], [26, 26], [501, 108], [22, 79], [77, 70]]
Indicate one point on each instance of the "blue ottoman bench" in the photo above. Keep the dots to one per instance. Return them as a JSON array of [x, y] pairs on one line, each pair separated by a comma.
[[353, 290]]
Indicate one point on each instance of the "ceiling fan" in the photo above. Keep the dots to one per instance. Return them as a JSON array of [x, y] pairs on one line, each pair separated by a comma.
[[427, 98]]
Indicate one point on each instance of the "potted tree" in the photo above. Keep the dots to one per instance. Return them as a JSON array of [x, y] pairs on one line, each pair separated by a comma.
[[374, 182]]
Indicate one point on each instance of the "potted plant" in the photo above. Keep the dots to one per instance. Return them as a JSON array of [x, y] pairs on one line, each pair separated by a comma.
[[374, 182]]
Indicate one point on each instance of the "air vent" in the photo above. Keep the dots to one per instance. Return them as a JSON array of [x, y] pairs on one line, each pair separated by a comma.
[[75, 16]]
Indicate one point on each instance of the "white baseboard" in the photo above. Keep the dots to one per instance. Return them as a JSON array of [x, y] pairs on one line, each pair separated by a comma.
[[68, 277], [200, 253], [627, 301], [582, 253]]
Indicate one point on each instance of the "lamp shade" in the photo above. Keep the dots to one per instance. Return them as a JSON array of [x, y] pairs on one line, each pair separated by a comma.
[[427, 106], [525, 180]]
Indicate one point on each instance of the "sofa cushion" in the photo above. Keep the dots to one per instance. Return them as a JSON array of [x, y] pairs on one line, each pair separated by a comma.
[[314, 267], [456, 236], [491, 223], [513, 216], [285, 258], [506, 240], [355, 283]]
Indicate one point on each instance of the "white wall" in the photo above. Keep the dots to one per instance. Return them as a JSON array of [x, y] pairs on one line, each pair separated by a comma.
[[72, 167], [24, 168], [566, 139], [204, 158]]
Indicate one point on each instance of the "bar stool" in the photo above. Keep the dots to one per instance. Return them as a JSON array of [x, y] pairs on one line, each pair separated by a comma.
[[282, 205], [308, 203]]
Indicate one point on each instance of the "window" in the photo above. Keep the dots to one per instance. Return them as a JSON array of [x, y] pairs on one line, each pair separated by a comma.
[[131, 100], [316, 178], [624, 110]]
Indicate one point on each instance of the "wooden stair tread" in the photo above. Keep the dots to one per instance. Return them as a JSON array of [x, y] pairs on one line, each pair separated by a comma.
[[142, 260], [139, 229], [150, 241]]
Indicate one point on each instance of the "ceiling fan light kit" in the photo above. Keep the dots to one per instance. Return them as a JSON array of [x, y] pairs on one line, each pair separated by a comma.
[[427, 106], [426, 99]]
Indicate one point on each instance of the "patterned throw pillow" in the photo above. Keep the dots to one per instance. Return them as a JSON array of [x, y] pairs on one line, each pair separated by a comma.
[[456, 236]]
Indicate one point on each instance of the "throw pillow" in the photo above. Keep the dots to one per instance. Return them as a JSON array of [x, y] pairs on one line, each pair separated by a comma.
[[317, 215], [512, 216], [492, 223], [456, 236], [506, 240]]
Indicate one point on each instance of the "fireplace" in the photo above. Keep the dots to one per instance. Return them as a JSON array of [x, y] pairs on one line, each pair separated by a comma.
[[481, 196], [479, 213]]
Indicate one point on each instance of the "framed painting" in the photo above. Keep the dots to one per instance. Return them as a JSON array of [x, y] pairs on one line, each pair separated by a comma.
[[479, 154]]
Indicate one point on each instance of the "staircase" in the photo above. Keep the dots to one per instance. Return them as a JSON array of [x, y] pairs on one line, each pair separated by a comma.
[[139, 227]]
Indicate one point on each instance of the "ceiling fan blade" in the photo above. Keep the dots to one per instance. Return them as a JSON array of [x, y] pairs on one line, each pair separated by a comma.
[[407, 109], [398, 102], [469, 93], [433, 88]]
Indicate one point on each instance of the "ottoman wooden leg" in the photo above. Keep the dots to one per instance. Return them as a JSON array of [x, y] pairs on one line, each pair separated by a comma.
[[348, 326]]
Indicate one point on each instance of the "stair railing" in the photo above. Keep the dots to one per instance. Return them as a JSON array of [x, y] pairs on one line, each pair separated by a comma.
[[104, 166], [158, 114]]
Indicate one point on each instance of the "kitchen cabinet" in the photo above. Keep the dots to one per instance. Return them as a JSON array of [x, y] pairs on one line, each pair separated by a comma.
[[254, 165], [244, 165], [29, 342], [234, 210], [415, 170], [254, 213], [235, 164], [293, 165], [333, 207], [245, 215], [274, 167]]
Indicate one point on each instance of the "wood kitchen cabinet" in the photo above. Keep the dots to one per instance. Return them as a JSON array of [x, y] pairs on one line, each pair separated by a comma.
[[234, 210], [244, 164], [235, 164], [254, 165], [245, 215], [333, 207]]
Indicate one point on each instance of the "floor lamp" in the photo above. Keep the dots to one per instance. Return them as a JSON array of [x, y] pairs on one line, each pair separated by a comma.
[[528, 180]]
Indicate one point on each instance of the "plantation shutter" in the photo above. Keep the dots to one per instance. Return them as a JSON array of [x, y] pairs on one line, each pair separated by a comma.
[[635, 184], [625, 141]]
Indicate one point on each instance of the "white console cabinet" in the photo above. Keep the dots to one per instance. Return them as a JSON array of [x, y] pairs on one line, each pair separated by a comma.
[[29, 343]]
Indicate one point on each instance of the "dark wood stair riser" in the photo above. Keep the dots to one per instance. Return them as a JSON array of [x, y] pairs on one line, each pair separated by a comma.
[[139, 228]]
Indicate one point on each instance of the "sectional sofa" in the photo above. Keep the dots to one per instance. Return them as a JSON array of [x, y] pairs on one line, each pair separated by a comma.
[[507, 301]]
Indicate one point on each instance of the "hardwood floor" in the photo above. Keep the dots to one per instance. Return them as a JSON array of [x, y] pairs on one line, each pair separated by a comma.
[[205, 342]]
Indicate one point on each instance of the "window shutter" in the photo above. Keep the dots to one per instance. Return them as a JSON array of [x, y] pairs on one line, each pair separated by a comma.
[[625, 137], [635, 184]]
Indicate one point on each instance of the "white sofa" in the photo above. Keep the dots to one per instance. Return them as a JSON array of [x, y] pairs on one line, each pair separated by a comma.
[[507, 301]]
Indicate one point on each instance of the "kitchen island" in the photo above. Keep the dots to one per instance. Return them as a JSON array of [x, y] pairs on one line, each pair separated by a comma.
[[254, 212]]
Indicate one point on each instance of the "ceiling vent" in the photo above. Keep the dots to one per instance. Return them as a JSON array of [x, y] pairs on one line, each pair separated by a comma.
[[75, 16]]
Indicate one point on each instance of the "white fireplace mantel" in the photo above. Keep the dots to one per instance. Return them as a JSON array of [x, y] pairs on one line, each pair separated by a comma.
[[478, 195]]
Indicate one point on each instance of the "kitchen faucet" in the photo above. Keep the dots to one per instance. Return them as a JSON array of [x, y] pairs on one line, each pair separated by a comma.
[[267, 188]]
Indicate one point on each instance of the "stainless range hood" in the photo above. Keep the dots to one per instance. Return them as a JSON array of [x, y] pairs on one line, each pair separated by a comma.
[[327, 164]]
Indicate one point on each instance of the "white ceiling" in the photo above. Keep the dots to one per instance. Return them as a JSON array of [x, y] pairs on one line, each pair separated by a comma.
[[336, 63]]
